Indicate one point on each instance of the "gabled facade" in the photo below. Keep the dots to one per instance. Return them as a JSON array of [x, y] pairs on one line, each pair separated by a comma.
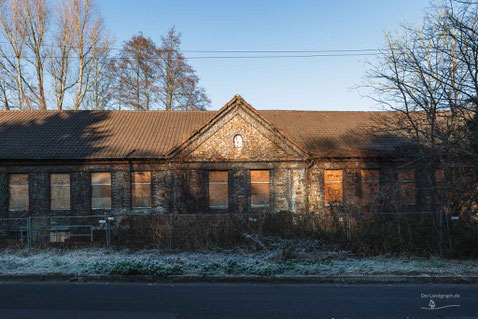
[[235, 160]]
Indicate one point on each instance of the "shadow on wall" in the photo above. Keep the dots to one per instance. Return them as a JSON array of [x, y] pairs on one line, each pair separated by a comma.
[[53, 135]]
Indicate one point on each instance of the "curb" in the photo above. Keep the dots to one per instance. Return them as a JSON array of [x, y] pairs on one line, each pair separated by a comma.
[[346, 279]]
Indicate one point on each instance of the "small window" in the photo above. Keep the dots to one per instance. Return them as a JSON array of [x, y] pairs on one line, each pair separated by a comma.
[[370, 187], [218, 189], [260, 189], [18, 190], [60, 191], [101, 190], [333, 187], [141, 189], [440, 175], [406, 179]]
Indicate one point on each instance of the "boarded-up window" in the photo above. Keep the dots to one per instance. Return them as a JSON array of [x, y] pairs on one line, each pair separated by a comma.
[[218, 189], [101, 190], [439, 175], [59, 191], [18, 189], [406, 178], [260, 189], [333, 187], [141, 189], [370, 187]]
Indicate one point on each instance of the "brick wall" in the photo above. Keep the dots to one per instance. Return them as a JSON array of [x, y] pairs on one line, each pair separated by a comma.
[[121, 190], [182, 187]]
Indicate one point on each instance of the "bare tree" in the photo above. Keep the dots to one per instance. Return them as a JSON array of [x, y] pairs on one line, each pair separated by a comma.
[[24, 27], [6, 89], [423, 74], [35, 16], [101, 93], [13, 52], [137, 71], [89, 40], [179, 82], [60, 58], [74, 57]]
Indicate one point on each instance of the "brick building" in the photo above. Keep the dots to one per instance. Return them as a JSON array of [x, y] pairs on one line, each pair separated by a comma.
[[234, 160]]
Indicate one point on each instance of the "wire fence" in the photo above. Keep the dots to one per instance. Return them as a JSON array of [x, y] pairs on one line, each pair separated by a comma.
[[371, 233]]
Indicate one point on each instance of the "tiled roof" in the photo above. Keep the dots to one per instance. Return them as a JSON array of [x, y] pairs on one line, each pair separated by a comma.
[[337, 132], [138, 134]]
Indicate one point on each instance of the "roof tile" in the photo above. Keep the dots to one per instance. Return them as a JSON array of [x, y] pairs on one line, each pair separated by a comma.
[[151, 134]]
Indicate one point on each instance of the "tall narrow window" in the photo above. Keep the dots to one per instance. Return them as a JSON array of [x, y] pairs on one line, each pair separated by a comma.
[[101, 190], [18, 190], [406, 179], [370, 187], [141, 189], [218, 189], [59, 191], [333, 187], [260, 189]]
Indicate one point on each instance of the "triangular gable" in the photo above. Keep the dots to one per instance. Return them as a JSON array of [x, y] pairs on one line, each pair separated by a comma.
[[215, 140]]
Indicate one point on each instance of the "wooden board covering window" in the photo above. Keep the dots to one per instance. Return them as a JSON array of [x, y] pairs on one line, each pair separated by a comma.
[[141, 189], [18, 190], [333, 186], [406, 178], [59, 191], [101, 190], [218, 189], [260, 188], [440, 175], [370, 187]]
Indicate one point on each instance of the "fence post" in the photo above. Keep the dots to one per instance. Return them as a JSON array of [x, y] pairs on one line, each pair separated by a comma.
[[440, 231], [448, 231], [29, 232], [107, 231], [349, 234], [171, 231]]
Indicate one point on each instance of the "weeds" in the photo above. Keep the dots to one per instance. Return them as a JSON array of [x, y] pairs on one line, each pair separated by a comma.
[[365, 235], [137, 267]]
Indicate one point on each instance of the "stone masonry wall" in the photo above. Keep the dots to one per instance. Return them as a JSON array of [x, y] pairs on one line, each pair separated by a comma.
[[183, 187], [255, 145]]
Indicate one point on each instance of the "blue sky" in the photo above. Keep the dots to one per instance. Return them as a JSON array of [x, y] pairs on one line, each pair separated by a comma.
[[320, 83]]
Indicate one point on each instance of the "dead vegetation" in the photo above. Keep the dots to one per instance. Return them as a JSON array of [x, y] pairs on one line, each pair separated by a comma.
[[295, 236]]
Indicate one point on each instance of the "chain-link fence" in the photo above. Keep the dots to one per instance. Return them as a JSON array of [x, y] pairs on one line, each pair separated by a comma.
[[414, 233]]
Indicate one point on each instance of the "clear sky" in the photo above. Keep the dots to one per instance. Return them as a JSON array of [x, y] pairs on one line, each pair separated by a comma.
[[319, 83]]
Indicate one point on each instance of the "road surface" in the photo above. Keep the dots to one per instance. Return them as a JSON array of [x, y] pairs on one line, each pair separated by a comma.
[[207, 300]]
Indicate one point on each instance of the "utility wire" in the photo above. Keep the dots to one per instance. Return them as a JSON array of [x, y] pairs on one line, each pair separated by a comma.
[[282, 51], [278, 56], [221, 57], [242, 51]]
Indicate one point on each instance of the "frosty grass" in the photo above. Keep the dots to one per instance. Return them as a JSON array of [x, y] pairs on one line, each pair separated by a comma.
[[227, 263]]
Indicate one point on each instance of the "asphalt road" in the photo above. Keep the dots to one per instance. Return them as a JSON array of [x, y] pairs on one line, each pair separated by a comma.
[[203, 300]]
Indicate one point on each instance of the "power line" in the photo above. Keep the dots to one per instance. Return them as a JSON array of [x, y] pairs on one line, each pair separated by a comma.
[[278, 56], [244, 51], [223, 57], [281, 51]]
